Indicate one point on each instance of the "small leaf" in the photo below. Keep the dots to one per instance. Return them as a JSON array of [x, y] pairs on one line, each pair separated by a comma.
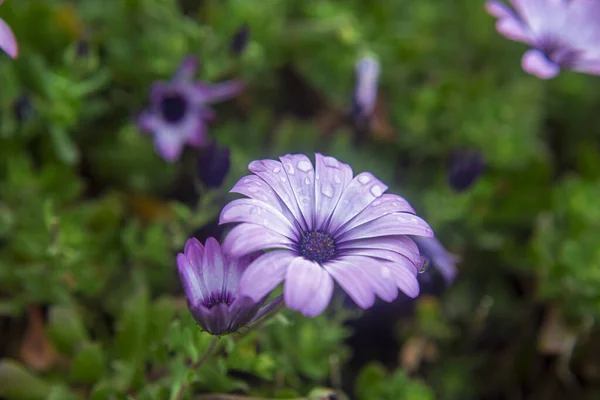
[[88, 365], [63, 145], [16, 383], [66, 329], [369, 382]]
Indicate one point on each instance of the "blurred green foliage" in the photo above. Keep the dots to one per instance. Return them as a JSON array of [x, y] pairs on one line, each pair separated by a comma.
[[91, 218]]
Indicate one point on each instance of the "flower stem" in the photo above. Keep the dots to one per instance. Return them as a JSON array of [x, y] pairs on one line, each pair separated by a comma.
[[207, 354]]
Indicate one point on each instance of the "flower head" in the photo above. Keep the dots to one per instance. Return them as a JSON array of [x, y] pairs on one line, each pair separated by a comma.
[[210, 283], [8, 43], [323, 224], [178, 111], [563, 33], [436, 254]]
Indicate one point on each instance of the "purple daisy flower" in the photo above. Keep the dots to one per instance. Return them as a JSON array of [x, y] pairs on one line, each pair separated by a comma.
[[563, 33], [211, 286], [323, 225], [436, 254], [178, 111], [8, 42]]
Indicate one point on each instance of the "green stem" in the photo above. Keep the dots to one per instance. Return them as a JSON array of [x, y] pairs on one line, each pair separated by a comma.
[[207, 354]]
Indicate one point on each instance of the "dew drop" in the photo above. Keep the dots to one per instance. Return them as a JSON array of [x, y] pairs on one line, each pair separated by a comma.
[[254, 211], [331, 162], [414, 220], [327, 189], [276, 170], [317, 177], [247, 180], [337, 179], [304, 166], [376, 203], [376, 191], [283, 179], [395, 204], [386, 273], [307, 181], [424, 265], [364, 179], [291, 169], [252, 189]]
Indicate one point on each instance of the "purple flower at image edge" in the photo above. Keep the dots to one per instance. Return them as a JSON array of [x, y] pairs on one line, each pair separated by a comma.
[[178, 111], [211, 282], [441, 259], [8, 42], [563, 34], [322, 224]]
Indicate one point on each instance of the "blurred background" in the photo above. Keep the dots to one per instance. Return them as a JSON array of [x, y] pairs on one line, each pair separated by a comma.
[[504, 166]]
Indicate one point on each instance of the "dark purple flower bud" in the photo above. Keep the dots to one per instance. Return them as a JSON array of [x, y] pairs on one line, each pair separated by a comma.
[[22, 108], [464, 168], [83, 48], [436, 254], [179, 110], [239, 41], [213, 165], [210, 282]]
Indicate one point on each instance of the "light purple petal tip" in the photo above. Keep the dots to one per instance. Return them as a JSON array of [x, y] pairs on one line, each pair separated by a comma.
[[217, 92], [8, 42], [307, 288], [169, 145], [498, 9], [536, 63], [265, 273], [187, 69]]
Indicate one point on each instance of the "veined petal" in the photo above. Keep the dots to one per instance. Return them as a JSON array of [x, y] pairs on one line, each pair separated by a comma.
[[389, 255], [204, 93], [378, 274], [331, 178], [213, 266], [257, 189], [8, 42], [247, 238], [405, 280], [514, 29], [301, 174], [265, 273], [304, 281], [259, 213], [359, 193], [272, 173], [386, 204], [400, 244], [191, 280], [536, 63], [353, 280], [391, 224]]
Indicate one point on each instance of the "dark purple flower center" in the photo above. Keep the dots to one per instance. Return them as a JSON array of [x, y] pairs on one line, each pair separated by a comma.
[[173, 107], [218, 298], [317, 246], [558, 51]]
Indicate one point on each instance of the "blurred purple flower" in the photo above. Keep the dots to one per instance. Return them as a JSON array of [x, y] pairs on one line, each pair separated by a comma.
[[8, 42], [213, 165], [239, 41], [437, 255], [365, 94], [178, 111], [211, 282], [322, 224], [465, 167], [563, 33]]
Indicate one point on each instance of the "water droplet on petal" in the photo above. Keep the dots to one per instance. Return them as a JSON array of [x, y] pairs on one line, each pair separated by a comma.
[[304, 166], [327, 189], [414, 220], [291, 169], [331, 162], [247, 180], [276, 170], [337, 179], [252, 189], [283, 179], [307, 181], [424, 265], [254, 211], [376, 191], [364, 179], [376, 203], [386, 273], [317, 177]]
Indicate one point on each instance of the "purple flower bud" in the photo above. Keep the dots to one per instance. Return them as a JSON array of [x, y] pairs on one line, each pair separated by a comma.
[[562, 34], [365, 94], [22, 108], [213, 165], [239, 41], [178, 113], [211, 283], [464, 168]]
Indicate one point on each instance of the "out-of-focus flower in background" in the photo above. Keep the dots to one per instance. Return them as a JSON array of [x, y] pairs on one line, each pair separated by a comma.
[[563, 34], [436, 255], [8, 42], [365, 92], [213, 165], [211, 283], [22, 108], [323, 225], [239, 41], [465, 166], [178, 112]]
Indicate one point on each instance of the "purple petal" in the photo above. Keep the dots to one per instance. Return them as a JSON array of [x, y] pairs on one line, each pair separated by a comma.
[[536, 63], [513, 29], [588, 66], [218, 92], [241, 312], [191, 280], [198, 137], [353, 280], [255, 188], [389, 255], [259, 213], [542, 15], [247, 238], [498, 9], [213, 266], [391, 224], [215, 320], [444, 261], [194, 250], [147, 121], [367, 75], [402, 245], [272, 173], [405, 280], [301, 174], [265, 273], [331, 177], [169, 144], [187, 69], [359, 193], [307, 288], [386, 204], [379, 275], [8, 42]]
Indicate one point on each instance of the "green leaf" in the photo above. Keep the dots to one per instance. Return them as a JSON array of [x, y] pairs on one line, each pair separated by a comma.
[[16, 383], [369, 382], [63, 145], [66, 329], [88, 365]]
